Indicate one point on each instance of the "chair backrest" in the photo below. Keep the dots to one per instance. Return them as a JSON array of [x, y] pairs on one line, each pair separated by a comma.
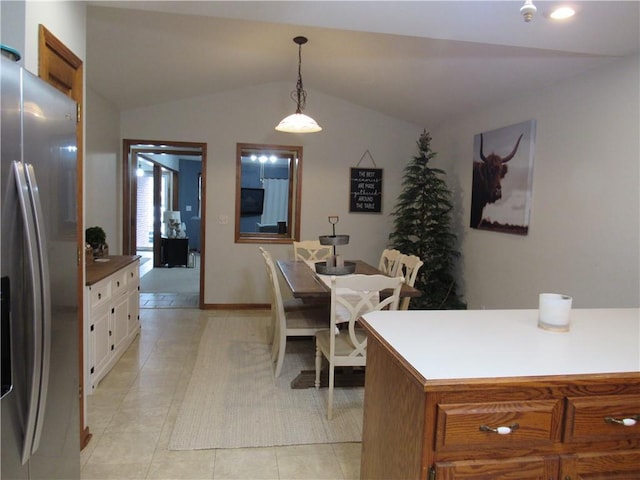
[[357, 295], [311, 250], [277, 305], [408, 266], [388, 259]]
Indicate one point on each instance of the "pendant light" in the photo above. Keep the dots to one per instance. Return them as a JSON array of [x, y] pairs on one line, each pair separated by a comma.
[[299, 122]]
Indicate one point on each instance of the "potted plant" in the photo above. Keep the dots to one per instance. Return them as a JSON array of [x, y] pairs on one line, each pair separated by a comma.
[[97, 238]]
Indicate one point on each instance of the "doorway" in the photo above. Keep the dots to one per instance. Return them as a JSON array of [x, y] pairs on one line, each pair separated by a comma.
[[164, 219]]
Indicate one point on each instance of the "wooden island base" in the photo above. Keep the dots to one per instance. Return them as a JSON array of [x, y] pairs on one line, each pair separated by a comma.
[[445, 426]]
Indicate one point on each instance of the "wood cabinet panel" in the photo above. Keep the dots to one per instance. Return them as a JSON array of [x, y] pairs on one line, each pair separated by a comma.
[[404, 435]]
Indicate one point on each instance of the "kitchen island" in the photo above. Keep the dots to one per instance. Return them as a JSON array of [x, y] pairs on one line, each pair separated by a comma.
[[489, 395]]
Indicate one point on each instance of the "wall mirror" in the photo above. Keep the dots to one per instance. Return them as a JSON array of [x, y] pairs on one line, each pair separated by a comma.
[[268, 193]]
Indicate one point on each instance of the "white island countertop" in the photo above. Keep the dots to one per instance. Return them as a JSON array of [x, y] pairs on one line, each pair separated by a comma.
[[459, 344]]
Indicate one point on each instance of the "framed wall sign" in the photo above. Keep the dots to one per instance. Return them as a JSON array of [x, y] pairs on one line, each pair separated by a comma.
[[366, 190]]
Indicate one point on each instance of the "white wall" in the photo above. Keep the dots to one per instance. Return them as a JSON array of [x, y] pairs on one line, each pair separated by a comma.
[[66, 20], [235, 272], [12, 25], [103, 169], [584, 231]]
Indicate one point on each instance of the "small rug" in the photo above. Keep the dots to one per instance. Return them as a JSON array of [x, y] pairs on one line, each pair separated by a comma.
[[233, 400], [171, 280]]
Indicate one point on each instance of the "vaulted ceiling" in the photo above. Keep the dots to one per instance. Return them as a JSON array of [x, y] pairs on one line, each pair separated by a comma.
[[422, 62]]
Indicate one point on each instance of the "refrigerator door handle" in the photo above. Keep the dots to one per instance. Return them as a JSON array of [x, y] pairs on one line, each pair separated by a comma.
[[35, 269], [45, 298]]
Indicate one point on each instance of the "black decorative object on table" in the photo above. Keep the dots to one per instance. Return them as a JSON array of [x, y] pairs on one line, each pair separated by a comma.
[[335, 264]]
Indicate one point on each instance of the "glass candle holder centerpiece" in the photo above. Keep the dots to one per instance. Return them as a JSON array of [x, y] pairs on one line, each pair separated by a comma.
[[335, 264]]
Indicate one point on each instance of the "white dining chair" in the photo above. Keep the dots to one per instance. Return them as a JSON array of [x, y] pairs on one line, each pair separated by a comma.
[[407, 266], [387, 262], [311, 250], [347, 346], [290, 322]]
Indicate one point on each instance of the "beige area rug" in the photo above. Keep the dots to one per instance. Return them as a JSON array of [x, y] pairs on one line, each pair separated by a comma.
[[171, 280], [233, 400]]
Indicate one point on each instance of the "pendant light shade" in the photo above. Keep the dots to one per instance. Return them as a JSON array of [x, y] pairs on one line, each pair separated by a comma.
[[299, 122]]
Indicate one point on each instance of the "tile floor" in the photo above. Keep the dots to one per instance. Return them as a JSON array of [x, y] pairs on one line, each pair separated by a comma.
[[132, 412], [169, 300], [164, 300]]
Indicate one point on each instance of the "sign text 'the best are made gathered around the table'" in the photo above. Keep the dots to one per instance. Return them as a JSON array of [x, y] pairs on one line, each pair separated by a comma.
[[366, 190]]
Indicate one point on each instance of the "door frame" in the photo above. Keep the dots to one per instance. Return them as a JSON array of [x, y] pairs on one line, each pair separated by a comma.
[[64, 70], [141, 154], [129, 200]]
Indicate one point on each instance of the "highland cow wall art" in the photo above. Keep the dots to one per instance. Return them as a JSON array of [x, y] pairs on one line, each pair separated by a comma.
[[502, 178]]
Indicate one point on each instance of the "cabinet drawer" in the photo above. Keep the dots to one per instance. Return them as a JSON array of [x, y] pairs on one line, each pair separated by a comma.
[[621, 465], [522, 468], [99, 293], [133, 274], [475, 424], [594, 418], [119, 282]]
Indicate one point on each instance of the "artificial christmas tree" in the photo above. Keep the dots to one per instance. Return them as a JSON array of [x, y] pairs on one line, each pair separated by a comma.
[[422, 227]]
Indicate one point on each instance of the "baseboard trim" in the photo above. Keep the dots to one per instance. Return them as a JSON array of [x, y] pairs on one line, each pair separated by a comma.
[[236, 306]]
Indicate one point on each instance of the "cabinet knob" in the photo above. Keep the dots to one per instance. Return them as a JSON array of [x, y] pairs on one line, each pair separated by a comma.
[[99, 296], [500, 430], [627, 422]]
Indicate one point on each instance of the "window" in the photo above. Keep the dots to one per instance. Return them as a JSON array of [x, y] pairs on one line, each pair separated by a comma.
[[268, 193]]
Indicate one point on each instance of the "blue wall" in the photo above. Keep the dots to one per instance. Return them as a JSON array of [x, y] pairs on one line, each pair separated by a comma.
[[251, 179], [188, 185]]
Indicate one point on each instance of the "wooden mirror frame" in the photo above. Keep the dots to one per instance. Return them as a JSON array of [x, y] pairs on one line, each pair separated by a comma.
[[295, 184]]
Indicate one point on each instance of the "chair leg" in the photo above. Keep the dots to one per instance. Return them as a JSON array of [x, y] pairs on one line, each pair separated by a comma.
[[277, 341], [271, 330], [330, 395], [318, 366], [275, 346], [282, 345]]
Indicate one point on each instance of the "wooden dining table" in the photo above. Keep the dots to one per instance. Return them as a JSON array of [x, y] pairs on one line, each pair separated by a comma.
[[305, 283]]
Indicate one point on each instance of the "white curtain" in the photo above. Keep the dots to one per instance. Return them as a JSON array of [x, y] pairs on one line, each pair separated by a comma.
[[275, 209]]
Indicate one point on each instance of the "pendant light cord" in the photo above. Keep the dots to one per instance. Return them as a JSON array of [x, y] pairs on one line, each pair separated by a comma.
[[299, 95]]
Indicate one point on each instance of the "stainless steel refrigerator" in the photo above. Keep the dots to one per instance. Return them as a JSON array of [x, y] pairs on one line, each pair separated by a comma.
[[39, 296]]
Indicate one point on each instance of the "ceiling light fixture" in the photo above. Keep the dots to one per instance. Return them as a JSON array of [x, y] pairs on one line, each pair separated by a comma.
[[562, 13], [299, 122], [527, 10]]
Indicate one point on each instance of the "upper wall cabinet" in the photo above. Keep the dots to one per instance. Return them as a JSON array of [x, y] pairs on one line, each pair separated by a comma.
[[268, 193]]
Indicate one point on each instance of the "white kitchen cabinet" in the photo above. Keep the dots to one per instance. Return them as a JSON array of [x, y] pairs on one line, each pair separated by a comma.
[[111, 315]]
